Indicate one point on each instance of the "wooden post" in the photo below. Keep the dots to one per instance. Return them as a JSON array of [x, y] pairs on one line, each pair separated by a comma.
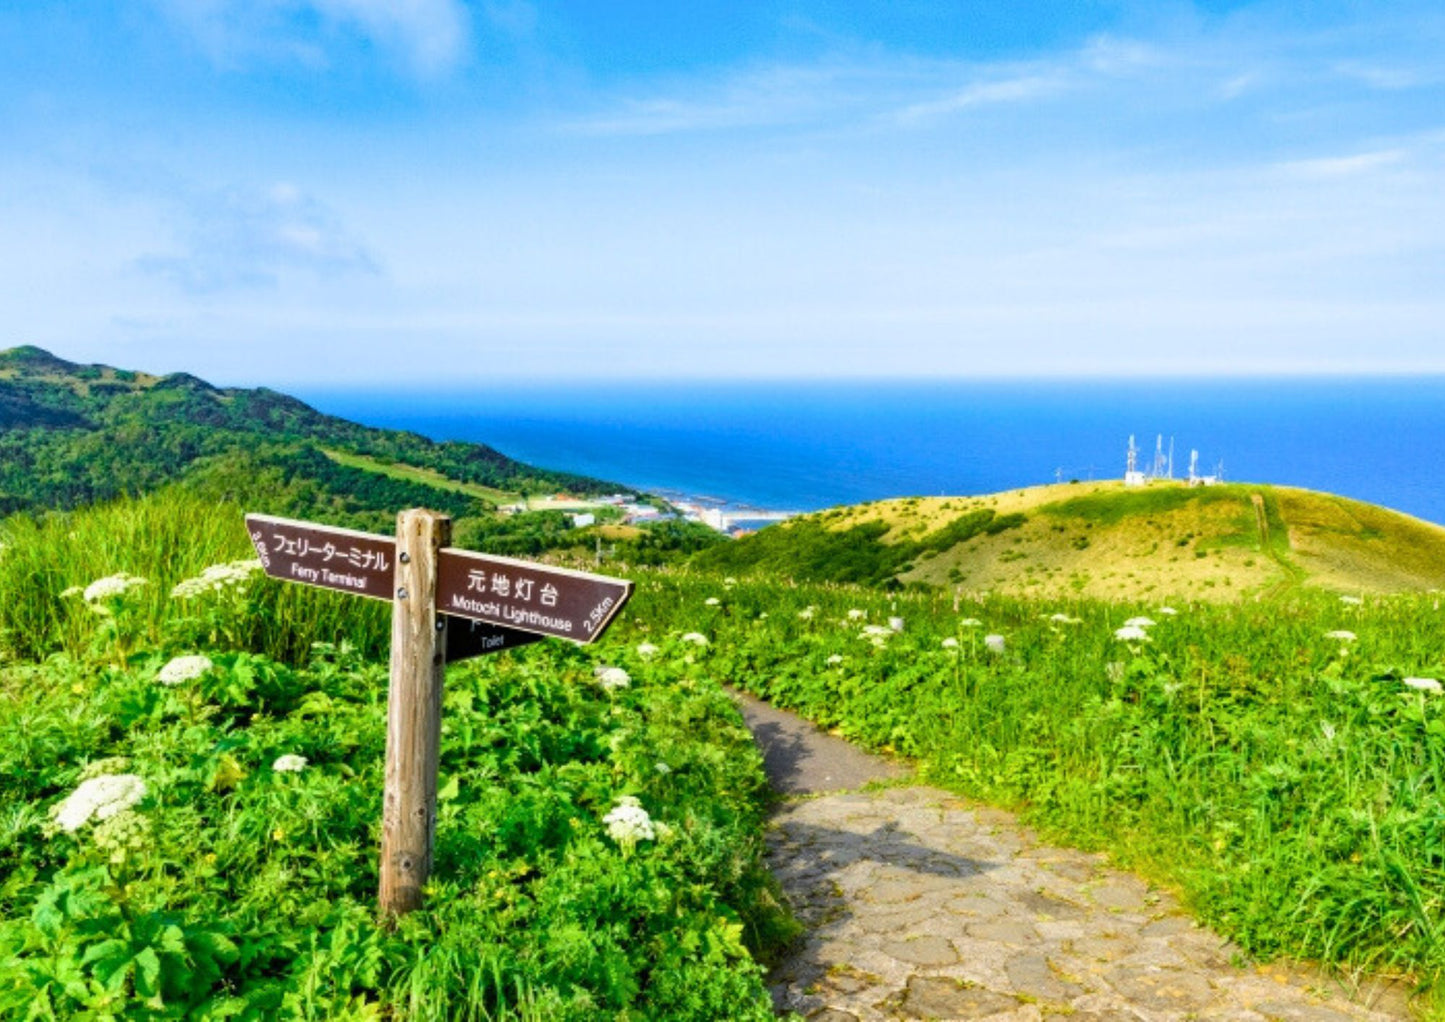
[[413, 717]]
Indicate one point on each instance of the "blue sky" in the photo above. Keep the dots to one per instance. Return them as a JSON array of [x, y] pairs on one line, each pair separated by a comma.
[[339, 192]]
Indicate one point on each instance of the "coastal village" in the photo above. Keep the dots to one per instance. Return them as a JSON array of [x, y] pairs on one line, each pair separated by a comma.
[[633, 509]]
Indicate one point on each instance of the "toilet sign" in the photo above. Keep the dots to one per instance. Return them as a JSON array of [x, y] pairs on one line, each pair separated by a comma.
[[447, 605]]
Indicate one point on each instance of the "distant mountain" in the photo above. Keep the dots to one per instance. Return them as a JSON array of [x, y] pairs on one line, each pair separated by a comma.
[[74, 434], [1104, 540]]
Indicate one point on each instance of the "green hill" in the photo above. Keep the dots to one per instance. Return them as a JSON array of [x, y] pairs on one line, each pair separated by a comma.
[[1105, 541], [75, 434]]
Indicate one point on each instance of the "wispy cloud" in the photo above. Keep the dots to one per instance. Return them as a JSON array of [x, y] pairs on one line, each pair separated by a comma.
[[429, 36], [1006, 90], [250, 239], [757, 96], [1352, 165], [1386, 79]]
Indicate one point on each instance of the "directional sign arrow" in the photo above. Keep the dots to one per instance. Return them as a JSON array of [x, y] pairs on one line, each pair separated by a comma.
[[348, 561], [510, 594], [528, 596], [466, 639]]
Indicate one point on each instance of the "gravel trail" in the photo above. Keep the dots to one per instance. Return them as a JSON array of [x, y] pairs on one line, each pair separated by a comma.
[[921, 905]]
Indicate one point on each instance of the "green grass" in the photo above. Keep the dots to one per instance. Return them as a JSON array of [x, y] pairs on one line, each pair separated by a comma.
[[1111, 508], [1286, 783], [425, 476], [234, 891]]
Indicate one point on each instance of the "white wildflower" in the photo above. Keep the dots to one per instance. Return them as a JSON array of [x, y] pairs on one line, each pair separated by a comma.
[[1139, 622], [290, 763], [835, 660], [98, 798], [613, 678], [696, 638], [184, 668], [950, 643], [66, 594], [857, 615], [763, 616], [628, 823], [971, 622], [875, 632], [993, 643], [1064, 619], [712, 601], [216, 578], [111, 586], [895, 623], [1351, 601], [1168, 611], [730, 582], [807, 613], [1341, 635], [1131, 633], [646, 650], [1424, 684], [663, 768]]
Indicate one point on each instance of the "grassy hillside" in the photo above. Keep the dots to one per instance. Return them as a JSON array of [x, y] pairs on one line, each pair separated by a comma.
[[1105, 541], [1279, 763], [74, 434], [236, 878]]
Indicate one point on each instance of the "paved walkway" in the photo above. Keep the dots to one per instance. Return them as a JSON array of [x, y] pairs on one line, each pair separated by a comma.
[[920, 905]]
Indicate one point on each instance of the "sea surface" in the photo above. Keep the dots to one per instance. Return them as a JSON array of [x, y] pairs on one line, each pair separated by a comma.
[[803, 446]]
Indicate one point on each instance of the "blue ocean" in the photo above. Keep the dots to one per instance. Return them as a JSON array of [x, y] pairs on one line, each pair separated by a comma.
[[808, 445]]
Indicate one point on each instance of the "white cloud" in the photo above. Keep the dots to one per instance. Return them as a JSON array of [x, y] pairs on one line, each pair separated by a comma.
[[1343, 166], [1388, 79], [246, 238], [1006, 90], [429, 36]]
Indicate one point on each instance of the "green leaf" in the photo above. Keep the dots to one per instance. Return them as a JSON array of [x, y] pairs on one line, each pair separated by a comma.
[[148, 973]]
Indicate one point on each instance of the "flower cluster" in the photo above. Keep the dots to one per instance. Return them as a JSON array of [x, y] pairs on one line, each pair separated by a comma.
[[628, 823], [290, 763], [696, 638], [1424, 685], [184, 668], [613, 678], [216, 578], [98, 798], [646, 650], [111, 586], [1131, 633], [993, 643]]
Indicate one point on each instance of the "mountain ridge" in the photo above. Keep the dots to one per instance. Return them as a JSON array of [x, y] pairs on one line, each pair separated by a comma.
[[72, 433]]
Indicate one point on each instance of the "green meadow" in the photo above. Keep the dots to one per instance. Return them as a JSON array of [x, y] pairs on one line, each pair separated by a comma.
[[1277, 762]]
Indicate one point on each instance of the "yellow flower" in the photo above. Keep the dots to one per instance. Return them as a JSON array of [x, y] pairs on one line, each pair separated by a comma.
[[278, 834]]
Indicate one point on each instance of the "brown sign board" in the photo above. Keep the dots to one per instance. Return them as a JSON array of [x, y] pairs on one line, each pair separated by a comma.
[[348, 561], [513, 596], [528, 596], [466, 639]]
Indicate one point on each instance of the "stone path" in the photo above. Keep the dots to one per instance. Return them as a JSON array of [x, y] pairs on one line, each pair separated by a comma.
[[919, 905]]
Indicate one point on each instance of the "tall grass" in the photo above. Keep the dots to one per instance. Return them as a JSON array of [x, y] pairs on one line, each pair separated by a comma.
[[163, 538], [1289, 784]]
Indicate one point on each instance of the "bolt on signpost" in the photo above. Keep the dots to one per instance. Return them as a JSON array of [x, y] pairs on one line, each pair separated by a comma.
[[447, 605]]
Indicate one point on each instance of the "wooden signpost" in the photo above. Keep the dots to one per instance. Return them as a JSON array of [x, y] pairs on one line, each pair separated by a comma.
[[447, 605]]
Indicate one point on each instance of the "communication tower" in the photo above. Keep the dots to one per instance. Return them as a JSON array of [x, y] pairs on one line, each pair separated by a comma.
[[1132, 475]]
